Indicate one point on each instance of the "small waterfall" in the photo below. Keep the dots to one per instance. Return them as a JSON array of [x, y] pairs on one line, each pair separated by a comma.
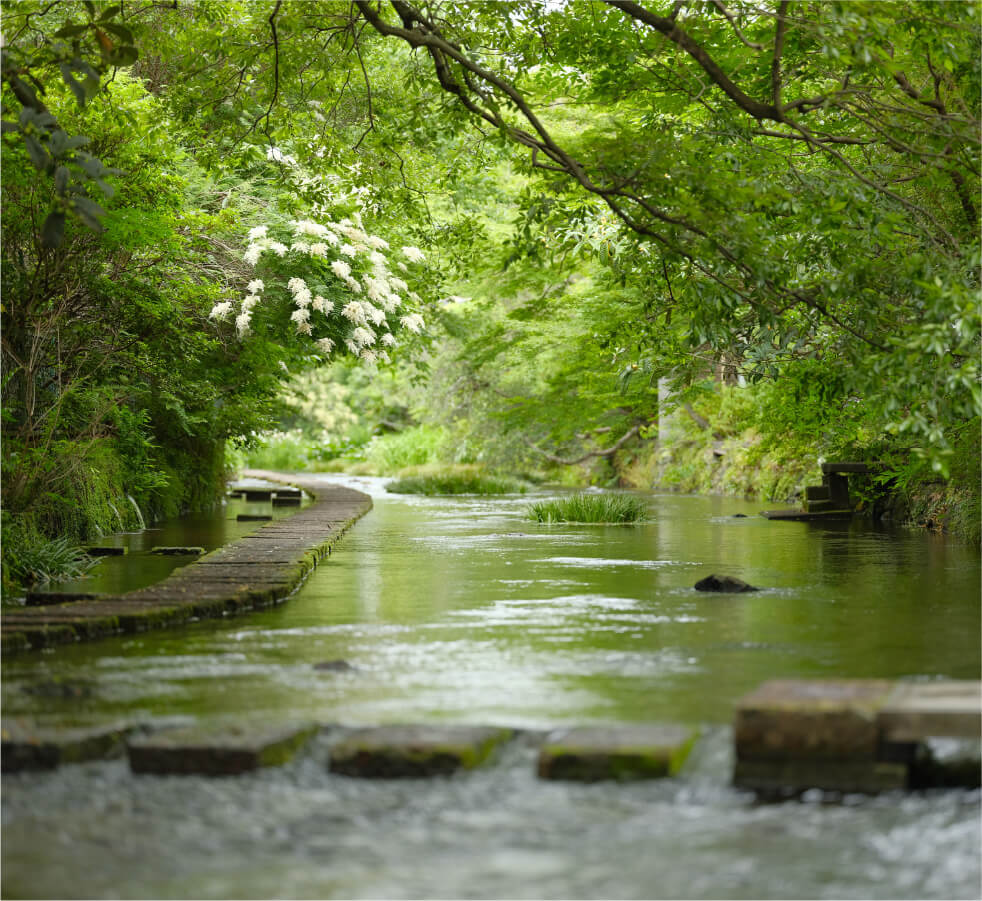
[[122, 525], [136, 507]]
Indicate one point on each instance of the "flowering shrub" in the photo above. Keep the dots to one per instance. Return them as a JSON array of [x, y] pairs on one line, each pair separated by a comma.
[[349, 296]]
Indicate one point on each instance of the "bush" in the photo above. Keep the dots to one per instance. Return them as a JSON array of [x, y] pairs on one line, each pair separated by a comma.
[[417, 446], [590, 508], [29, 557], [455, 480]]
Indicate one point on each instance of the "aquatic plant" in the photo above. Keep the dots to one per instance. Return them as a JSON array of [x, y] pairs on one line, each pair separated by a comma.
[[455, 480], [590, 508]]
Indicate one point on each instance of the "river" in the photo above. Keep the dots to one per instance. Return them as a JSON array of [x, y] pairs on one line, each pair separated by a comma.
[[462, 611]]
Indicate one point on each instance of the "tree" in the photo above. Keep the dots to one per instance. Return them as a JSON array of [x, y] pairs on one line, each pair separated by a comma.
[[801, 179]]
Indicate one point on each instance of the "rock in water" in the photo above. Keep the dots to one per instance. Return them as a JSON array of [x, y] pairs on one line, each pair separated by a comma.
[[723, 584], [335, 666]]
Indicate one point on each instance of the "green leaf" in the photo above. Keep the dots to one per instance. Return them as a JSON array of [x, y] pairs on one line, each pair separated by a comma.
[[53, 230], [35, 150], [62, 177]]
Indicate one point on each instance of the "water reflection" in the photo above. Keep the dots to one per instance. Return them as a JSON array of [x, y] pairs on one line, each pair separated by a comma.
[[461, 610]]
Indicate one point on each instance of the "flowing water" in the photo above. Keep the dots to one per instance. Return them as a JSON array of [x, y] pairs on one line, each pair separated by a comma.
[[460, 610]]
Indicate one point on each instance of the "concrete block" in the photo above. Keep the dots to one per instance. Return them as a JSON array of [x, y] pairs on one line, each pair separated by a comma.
[[918, 710], [253, 517], [98, 551], [619, 752], [393, 752], [217, 751], [177, 551], [790, 776], [29, 747], [811, 718]]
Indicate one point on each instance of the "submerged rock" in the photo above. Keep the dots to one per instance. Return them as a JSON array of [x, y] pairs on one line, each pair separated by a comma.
[[723, 584], [335, 666]]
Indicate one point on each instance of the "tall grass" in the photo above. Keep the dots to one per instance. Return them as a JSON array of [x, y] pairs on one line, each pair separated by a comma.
[[460, 479], [590, 508]]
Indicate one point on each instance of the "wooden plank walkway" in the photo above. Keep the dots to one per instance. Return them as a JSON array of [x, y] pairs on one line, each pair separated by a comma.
[[256, 571]]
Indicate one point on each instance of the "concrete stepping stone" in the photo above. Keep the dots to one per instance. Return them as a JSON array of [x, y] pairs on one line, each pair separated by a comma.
[[834, 718], [859, 734], [622, 753], [97, 551], [287, 501], [253, 517], [45, 598], [29, 747], [177, 551], [916, 711], [258, 494], [217, 751], [399, 752]]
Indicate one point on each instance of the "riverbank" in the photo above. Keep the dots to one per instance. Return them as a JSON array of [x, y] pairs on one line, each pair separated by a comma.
[[696, 458], [256, 571]]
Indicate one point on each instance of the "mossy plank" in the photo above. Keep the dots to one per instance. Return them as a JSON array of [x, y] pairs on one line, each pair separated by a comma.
[[400, 752], [220, 751], [620, 753]]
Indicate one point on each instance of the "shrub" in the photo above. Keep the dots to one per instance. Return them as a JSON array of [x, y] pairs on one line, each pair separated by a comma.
[[590, 508], [416, 446], [455, 480]]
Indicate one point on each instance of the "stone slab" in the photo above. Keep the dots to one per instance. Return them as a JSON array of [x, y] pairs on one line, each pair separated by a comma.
[[846, 467], [253, 517], [97, 551], [177, 551], [947, 763], [787, 776], [217, 752], [916, 711], [622, 752], [399, 752], [288, 501], [257, 495], [45, 598], [29, 747], [805, 515], [798, 718]]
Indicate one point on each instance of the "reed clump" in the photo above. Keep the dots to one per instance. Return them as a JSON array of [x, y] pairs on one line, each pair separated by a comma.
[[590, 508]]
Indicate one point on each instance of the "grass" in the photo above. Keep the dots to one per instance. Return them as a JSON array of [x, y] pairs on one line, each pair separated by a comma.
[[46, 561], [459, 479], [590, 508]]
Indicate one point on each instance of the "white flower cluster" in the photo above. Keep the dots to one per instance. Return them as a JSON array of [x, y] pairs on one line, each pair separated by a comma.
[[358, 263]]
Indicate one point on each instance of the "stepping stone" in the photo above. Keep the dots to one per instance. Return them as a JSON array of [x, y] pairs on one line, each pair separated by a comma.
[[287, 501], [177, 551], [97, 551], [811, 718], [919, 710], [44, 598], [776, 777], [217, 752], [254, 517], [399, 752], [287, 492], [947, 763], [27, 747], [258, 494], [622, 753]]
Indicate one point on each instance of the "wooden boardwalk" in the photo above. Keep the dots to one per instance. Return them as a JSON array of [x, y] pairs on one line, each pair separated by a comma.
[[256, 571]]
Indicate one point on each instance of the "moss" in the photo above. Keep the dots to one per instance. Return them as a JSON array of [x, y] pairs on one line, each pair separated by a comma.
[[281, 752]]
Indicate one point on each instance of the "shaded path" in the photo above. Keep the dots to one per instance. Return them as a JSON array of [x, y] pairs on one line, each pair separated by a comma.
[[254, 572]]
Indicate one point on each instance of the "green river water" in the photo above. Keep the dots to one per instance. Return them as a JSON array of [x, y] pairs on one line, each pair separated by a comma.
[[460, 610]]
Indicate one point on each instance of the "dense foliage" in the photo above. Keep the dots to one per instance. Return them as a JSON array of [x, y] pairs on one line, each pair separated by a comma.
[[597, 208]]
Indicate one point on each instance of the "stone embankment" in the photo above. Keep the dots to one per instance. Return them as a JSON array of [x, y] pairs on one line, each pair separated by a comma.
[[257, 571]]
